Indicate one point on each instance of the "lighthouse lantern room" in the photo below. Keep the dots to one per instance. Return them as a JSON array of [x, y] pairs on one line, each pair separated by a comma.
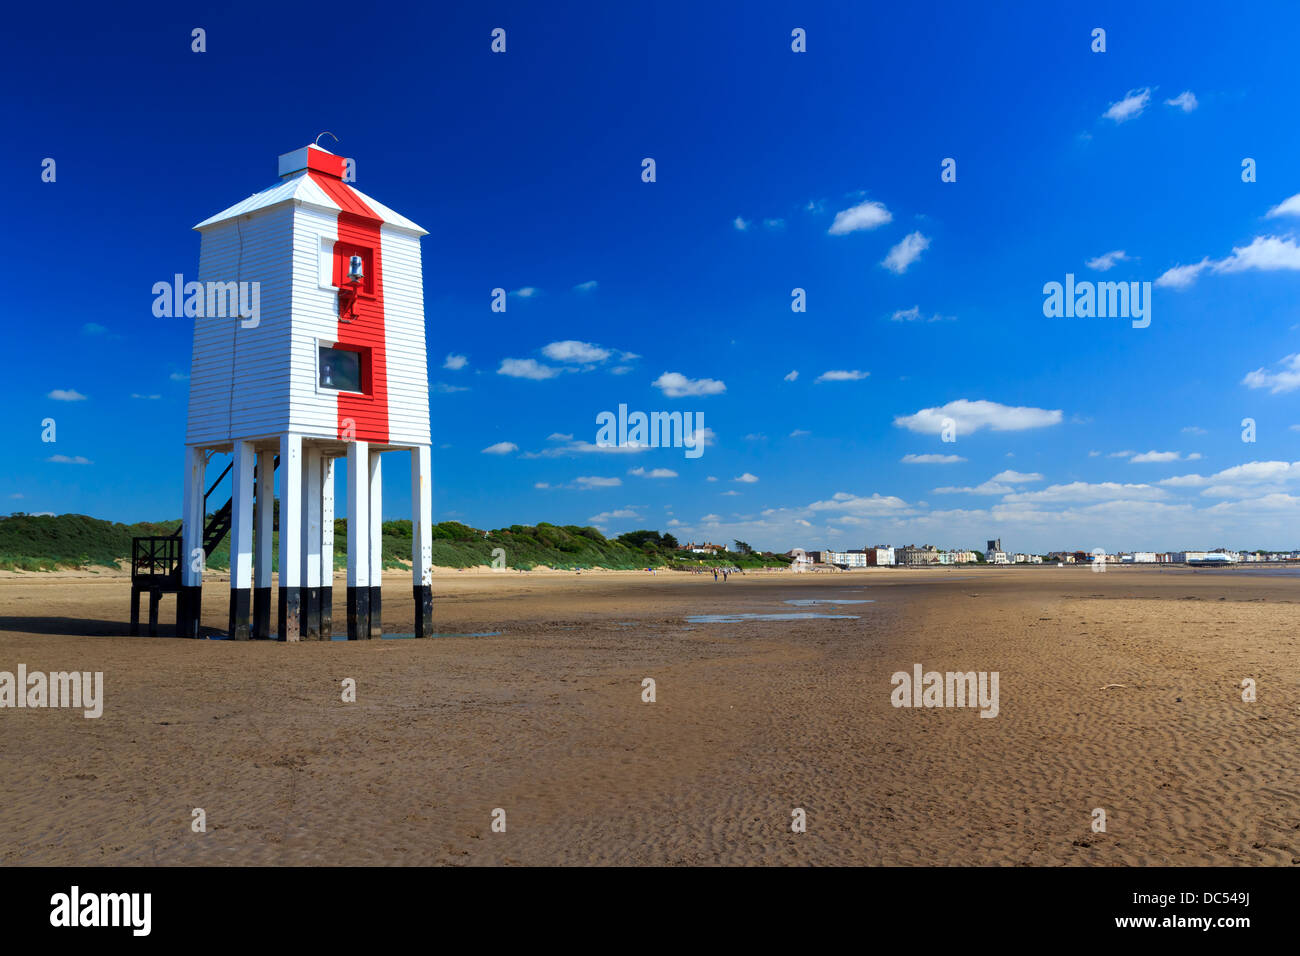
[[329, 363]]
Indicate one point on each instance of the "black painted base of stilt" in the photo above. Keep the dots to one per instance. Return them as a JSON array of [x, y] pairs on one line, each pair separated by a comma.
[[311, 614], [189, 609], [423, 610], [261, 614], [376, 605], [358, 614], [327, 613], [241, 605], [290, 628]]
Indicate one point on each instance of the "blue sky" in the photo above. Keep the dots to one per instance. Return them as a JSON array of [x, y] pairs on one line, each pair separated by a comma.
[[525, 167]]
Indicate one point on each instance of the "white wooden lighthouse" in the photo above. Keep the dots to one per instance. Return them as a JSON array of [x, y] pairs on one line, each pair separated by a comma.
[[329, 363]]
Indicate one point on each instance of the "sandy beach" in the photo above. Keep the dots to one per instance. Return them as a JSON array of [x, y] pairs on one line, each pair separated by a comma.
[[1120, 691]]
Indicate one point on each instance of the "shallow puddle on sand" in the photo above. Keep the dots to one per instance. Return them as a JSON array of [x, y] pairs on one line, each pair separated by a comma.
[[808, 602], [411, 637], [792, 616]]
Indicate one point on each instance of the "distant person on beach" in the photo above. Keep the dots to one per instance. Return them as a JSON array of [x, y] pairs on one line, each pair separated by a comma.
[[715, 574]]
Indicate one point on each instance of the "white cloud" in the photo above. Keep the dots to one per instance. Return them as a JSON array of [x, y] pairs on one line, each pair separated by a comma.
[[877, 504], [1086, 491], [1106, 261], [526, 292], [1194, 430], [865, 215], [596, 481], [559, 436], [841, 375], [746, 478], [740, 224], [527, 368], [1162, 457], [774, 223], [677, 385], [791, 376], [1180, 277], [147, 397], [454, 362], [541, 484], [1132, 105], [571, 350], [1264, 254], [1287, 207], [800, 433], [442, 388], [500, 448], [585, 447], [931, 459], [69, 460], [1185, 101], [1156, 457], [178, 376], [970, 416], [66, 395], [1286, 378], [987, 488], [653, 473], [1252, 472], [907, 251], [605, 516], [914, 315], [588, 286], [1017, 477]]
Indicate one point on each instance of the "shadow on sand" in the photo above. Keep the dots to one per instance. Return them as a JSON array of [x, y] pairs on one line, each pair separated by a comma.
[[84, 627]]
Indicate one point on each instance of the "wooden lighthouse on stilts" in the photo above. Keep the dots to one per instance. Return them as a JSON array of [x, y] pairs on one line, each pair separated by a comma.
[[325, 360]]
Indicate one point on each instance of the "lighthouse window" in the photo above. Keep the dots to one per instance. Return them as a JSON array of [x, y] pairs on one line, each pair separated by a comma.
[[340, 369]]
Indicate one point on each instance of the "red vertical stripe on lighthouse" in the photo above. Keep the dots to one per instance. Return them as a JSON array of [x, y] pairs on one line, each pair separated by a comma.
[[359, 226]]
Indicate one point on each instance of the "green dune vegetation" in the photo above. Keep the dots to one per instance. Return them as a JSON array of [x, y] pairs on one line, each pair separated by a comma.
[[51, 542]]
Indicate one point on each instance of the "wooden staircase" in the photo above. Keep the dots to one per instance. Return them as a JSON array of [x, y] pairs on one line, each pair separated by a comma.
[[156, 559]]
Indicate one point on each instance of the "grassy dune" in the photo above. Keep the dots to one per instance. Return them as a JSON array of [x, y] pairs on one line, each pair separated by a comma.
[[49, 542]]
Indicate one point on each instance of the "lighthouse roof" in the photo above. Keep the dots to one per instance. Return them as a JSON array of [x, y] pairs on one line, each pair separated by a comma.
[[314, 177]]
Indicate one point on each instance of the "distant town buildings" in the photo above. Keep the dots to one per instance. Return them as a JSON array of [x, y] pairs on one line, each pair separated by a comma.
[[883, 555], [694, 548], [880, 556], [912, 556]]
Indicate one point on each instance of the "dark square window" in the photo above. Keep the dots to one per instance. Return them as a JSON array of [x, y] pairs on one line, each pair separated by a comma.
[[340, 369]]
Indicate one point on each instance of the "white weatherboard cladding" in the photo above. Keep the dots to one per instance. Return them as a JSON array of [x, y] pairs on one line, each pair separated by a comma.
[[239, 377], [408, 374], [313, 411], [254, 382]]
